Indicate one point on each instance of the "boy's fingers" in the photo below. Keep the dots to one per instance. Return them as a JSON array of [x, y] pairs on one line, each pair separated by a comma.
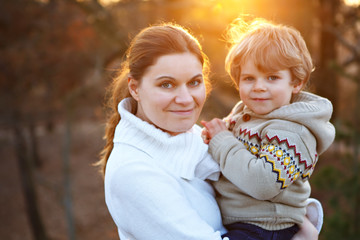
[[203, 122], [205, 137]]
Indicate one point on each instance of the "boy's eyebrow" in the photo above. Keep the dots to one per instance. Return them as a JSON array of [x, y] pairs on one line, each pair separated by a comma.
[[245, 74], [279, 72]]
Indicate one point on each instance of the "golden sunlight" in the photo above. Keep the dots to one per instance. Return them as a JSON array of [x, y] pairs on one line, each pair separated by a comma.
[[352, 3], [218, 7], [106, 2]]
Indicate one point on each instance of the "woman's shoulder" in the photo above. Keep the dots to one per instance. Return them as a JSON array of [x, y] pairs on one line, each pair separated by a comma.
[[125, 159], [131, 175]]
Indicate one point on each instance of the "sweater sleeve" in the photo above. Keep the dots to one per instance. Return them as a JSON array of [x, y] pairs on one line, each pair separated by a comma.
[[261, 171], [146, 203]]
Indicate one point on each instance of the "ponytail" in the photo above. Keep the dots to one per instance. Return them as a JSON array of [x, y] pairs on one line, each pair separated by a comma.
[[117, 91]]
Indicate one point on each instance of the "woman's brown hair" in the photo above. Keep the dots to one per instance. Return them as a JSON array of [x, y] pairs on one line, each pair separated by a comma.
[[146, 47]]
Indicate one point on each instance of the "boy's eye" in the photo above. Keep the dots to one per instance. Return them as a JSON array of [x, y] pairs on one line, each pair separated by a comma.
[[248, 78], [272, 78]]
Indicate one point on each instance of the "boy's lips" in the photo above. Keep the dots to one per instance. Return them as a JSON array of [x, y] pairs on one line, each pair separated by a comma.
[[260, 99]]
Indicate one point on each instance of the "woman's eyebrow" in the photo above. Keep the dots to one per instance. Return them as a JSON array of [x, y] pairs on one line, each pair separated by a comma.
[[198, 75], [172, 78], [164, 77]]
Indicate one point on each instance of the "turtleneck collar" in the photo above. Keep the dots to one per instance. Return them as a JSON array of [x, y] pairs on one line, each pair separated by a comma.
[[184, 154]]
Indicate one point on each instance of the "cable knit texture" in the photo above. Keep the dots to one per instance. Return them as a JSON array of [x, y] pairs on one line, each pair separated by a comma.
[[266, 161], [155, 183]]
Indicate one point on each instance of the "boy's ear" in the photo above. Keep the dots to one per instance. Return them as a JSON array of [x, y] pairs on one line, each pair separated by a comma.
[[297, 87], [133, 86]]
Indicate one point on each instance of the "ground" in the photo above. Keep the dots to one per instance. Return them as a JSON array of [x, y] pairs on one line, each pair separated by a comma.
[[91, 217]]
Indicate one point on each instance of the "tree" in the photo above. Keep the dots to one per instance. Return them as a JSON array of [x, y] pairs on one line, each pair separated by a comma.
[[326, 83], [342, 181], [46, 53]]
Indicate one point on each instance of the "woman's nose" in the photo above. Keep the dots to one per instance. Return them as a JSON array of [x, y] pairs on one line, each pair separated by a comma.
[[183, 95]]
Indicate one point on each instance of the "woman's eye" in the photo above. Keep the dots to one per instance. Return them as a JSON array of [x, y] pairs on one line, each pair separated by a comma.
[[166, 85], [194, 83]]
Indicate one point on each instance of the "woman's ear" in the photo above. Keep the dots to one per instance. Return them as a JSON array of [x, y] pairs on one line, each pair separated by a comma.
[[133, 86]]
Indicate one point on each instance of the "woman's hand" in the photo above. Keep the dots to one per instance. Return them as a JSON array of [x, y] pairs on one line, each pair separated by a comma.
[[307, 231]]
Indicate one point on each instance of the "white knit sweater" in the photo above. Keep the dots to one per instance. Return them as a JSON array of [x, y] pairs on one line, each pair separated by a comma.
[[155, 184]]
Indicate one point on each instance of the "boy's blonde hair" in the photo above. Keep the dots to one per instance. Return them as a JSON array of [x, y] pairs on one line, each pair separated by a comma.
[[272, 47]]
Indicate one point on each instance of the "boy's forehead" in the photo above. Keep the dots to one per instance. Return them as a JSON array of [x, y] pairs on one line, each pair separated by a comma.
[[265, 63]]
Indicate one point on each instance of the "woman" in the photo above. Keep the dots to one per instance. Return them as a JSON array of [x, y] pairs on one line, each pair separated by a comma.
[[155, 163]]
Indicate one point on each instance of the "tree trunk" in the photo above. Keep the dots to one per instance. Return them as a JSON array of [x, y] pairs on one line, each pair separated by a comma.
[[27, 181], [356, 161], [326, 82], [66, 171], [34, 149]]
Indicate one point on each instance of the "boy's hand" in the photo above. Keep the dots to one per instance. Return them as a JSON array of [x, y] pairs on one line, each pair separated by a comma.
[[212, 128], [205, 136]]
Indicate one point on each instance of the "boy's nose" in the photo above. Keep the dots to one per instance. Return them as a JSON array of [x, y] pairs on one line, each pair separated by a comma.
[[259, 85]]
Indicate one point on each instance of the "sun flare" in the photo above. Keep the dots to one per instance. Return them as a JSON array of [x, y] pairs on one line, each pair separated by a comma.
[[106, 2], [353, 3]]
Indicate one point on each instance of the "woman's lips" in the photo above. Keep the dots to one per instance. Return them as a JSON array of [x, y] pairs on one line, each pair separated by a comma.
[[183, 112]]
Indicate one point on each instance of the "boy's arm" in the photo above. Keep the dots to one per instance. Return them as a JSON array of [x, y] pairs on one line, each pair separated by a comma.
[[263, 171], [242, 168]]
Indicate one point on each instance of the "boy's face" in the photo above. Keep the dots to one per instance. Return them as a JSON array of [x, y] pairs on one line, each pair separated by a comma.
[[264, 92]]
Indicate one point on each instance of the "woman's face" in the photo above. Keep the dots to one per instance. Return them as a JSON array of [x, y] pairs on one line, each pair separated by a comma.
[[171, 93]]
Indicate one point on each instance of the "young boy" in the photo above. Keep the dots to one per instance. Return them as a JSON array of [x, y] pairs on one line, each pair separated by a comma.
[[268, 146]]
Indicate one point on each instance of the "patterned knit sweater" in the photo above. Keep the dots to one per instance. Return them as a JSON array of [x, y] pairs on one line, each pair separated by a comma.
[[266, 161]]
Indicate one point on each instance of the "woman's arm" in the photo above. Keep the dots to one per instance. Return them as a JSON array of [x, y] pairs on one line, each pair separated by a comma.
[[307, 231], [148, 203], [313, 221]]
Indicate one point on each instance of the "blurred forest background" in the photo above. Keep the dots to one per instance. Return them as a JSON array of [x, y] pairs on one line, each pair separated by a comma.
[[58, 56]]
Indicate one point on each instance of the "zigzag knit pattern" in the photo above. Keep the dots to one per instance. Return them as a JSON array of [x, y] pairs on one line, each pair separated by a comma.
[[283, 157]]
